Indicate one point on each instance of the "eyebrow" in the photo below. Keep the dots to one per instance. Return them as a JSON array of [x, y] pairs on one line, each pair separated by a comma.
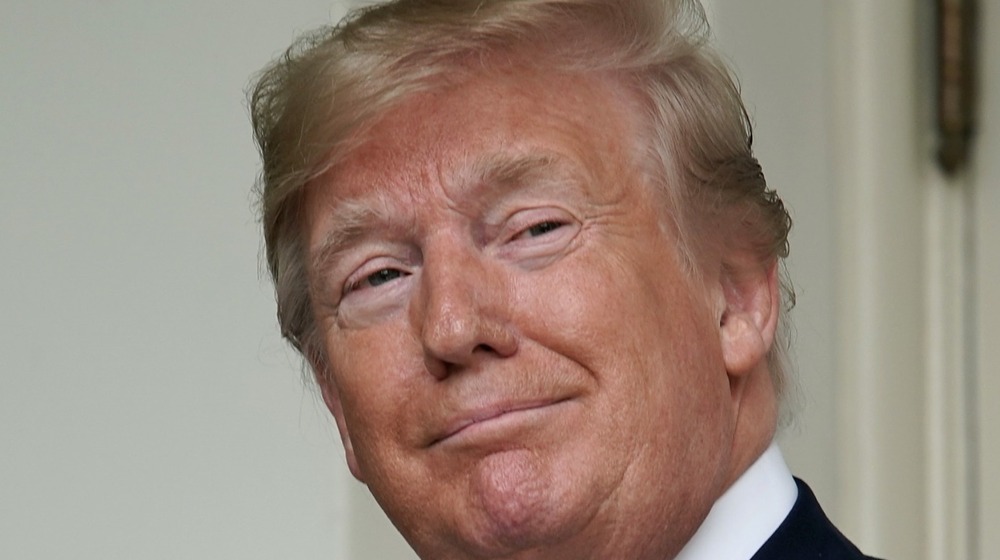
[[352, 220], [498, 173], [488, 177]]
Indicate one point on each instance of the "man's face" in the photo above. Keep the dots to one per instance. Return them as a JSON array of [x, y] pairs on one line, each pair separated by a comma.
[[517, 360]]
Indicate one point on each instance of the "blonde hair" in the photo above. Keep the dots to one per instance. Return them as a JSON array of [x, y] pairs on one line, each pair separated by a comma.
[[308, 105]]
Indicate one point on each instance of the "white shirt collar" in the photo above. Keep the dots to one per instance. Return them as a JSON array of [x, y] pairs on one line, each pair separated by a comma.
[[748, 512]]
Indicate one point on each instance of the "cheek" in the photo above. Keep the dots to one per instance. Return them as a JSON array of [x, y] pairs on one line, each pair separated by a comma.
[[374, 370], [641, 331], [618, 308]]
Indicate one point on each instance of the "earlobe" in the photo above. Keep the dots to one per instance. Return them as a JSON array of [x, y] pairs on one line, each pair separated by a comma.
[[331, 396], [749, 321], [743, 346]]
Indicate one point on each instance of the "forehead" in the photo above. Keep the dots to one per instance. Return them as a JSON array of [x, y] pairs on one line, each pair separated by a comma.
[[489, 125]]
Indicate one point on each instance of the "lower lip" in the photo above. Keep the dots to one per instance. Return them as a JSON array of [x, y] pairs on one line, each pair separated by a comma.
[[499, 425]]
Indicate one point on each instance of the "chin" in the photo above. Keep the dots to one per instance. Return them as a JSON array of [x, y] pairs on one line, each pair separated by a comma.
[[519, 506]]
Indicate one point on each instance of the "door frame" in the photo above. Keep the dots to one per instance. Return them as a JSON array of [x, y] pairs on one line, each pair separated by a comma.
[[903, 290]]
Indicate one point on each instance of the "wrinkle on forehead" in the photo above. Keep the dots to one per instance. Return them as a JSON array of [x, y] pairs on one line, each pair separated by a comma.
[[392, 210], [491, 176], [411, 157]]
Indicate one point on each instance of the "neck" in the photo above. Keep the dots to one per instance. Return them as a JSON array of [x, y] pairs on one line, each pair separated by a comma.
[[756, 420]]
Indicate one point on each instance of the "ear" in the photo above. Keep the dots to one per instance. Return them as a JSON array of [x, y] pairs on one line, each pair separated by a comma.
[[750, 316], [331, 396]]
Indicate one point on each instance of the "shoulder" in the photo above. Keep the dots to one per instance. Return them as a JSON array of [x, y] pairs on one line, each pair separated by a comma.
[[807, 533]]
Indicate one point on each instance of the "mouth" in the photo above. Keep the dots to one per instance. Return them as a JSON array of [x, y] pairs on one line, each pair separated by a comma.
[[496, 416]]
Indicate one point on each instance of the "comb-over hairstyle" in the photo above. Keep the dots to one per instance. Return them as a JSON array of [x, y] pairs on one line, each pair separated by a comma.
[[311, 106]]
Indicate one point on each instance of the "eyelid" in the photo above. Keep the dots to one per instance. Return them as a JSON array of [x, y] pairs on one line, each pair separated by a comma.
[[536, 251], [354, 263], [528, 233], [520, 222], [523, 220], [361, 273]]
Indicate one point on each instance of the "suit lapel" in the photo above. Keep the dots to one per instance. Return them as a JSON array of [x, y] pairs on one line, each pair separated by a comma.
[[807, 534]]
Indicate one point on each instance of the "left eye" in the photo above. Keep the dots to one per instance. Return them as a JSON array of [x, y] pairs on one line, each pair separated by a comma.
[[381, 277], [541, 228]]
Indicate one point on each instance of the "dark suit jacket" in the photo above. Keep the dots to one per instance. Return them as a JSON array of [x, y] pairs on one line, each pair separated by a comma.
[[806, 534]]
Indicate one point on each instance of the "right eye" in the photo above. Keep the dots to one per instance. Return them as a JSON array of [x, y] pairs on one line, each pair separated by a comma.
[[374, 279], [377, 289]]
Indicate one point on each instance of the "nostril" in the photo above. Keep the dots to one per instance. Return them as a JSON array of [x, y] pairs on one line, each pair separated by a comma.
[[483, 348]]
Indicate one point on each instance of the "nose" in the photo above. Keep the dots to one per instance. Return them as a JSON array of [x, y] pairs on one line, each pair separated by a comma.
[[462, 315]]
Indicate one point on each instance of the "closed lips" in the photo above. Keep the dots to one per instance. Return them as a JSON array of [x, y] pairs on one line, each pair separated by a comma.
[[489, 413]]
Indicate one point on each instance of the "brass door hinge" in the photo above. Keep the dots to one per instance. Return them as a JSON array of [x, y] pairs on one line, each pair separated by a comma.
[[956, 91]]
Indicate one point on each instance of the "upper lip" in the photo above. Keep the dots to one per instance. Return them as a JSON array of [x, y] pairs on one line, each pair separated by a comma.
[[467, 418]]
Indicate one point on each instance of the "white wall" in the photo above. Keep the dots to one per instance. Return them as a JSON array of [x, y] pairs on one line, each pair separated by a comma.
[[147, 406], [780, 52], [986, 216]]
